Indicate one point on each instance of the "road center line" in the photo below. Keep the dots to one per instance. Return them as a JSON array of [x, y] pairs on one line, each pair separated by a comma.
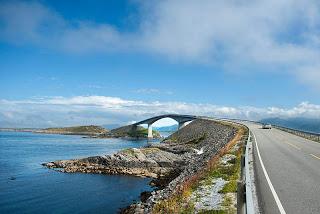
[[315, 156], [294, 146], [275, 196]]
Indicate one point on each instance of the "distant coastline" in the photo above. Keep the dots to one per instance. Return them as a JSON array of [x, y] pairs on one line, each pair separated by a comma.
[[92, 131], [19, 129]]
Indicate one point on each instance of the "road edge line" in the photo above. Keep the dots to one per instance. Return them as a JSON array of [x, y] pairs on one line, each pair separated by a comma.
[[275, 196]]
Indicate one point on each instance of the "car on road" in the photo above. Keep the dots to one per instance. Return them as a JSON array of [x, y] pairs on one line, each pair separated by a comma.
[[266, 126]]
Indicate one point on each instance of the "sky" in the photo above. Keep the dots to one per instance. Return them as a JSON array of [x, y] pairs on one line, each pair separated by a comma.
[[65, 62]]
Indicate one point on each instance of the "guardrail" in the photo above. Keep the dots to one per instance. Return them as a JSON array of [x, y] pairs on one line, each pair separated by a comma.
[[245, 199], [246, 195], [305, 134], [308, 135], [245, 187]]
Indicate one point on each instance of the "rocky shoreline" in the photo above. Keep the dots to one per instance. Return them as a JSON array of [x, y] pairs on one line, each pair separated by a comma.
[[170, 163]]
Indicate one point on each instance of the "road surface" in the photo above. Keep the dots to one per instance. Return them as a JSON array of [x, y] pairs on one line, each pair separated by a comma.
[[287, 170]]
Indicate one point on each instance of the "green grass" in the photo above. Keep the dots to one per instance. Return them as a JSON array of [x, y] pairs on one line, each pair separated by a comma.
[[231, 186], [150, 150], [78, 129], [128, 151], [142, 132], [212, 212]]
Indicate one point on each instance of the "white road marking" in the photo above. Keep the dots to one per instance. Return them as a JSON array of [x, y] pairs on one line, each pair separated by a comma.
[[294, 146], [275, 196], [315, 156]]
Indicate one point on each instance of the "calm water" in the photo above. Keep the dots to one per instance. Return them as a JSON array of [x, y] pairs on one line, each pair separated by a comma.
[[27, 187]]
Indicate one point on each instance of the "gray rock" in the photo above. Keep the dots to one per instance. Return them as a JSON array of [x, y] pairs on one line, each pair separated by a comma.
[[161, 161]]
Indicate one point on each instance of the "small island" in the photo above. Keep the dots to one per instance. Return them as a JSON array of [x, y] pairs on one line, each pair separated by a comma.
[[128, 132], [74, 130]]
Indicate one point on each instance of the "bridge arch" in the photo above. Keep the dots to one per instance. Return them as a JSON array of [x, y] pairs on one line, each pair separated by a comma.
[[181, 120]]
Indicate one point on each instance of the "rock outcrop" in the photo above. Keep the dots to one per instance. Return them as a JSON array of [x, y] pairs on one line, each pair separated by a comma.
[[129, 131], [171, 162], [145, 162]]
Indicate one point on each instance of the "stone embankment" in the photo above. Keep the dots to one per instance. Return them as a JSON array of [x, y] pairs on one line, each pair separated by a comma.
[[170, 163]]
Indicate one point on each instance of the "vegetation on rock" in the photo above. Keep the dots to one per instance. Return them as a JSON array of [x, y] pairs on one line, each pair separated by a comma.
[[77, 130], [130, 131]]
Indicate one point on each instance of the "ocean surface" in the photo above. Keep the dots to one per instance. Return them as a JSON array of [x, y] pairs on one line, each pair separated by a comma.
[[28, 187]]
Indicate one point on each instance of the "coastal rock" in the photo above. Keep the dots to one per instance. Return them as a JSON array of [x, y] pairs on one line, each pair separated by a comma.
[[170, 163], [146, 162]]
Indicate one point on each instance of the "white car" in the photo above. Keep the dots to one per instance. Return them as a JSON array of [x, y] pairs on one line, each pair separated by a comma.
[[266, 126]]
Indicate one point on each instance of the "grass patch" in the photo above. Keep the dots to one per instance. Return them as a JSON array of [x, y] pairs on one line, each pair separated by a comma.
[[142, 132], [231, 186], [150, 150], [78, 129], [212, 212], [128, 151]]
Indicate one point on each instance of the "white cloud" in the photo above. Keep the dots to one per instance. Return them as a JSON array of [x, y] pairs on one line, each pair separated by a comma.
[[152, 91], [62, 111], [277, 35]]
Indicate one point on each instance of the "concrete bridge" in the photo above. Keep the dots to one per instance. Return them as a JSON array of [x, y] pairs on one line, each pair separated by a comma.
[[181, 119]]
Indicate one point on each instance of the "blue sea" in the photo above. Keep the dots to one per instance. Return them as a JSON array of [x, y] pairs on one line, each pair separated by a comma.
[[28, 187]]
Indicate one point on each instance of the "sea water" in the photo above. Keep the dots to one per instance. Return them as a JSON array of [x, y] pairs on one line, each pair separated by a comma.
[[28, 187]]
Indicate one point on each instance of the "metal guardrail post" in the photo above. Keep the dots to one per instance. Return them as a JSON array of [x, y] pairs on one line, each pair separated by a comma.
[[240, 197], [242, 170], [249, 196]]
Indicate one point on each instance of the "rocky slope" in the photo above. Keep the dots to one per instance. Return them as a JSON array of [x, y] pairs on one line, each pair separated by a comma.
[[171, 162]]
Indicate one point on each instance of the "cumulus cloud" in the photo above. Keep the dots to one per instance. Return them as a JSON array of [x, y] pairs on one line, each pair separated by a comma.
[[265, 35], [63, 111], [33, 23]]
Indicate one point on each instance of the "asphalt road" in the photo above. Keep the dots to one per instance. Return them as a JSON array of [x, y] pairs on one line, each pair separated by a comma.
[[290, 180]]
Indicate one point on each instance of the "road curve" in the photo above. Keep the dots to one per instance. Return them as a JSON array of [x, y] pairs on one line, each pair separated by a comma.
[[292, 165]]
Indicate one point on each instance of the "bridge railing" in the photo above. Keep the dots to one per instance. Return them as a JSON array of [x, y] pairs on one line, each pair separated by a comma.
[[308, 135], [305, 134]]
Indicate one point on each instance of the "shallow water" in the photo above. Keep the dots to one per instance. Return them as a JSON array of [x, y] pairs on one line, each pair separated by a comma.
[[28, 187]]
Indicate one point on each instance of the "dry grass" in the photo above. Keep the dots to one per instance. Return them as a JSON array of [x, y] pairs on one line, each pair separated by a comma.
[[149, 150]]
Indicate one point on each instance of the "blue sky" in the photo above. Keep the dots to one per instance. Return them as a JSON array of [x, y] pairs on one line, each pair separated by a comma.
[[58, 59]]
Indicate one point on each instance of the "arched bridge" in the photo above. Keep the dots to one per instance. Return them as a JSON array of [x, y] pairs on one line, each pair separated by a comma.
[[181, 119]]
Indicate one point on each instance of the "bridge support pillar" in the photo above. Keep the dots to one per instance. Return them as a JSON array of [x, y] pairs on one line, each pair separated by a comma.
[[150, 131], [182, 124]]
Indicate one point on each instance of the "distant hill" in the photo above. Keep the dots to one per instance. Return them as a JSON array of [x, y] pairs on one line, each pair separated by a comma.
[[75, 130], [111, 126], [304, 124], [172, 128]]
